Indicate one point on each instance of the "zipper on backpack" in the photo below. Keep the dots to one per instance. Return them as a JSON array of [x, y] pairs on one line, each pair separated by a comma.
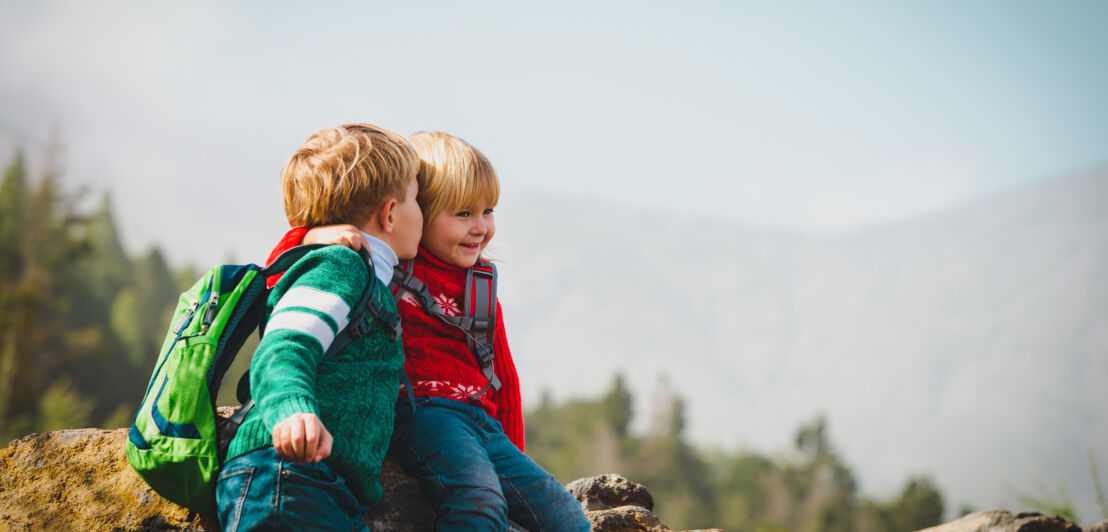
[[213, 303], [209, 316], [186, 318]]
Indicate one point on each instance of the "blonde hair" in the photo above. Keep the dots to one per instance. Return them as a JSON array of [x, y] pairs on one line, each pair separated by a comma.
[[452, 174], [342, 174]]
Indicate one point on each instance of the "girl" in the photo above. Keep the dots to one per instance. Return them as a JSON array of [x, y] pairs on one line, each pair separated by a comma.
[[464, 439]]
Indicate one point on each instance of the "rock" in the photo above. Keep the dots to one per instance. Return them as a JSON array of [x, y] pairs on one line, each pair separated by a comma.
[[610, 491], [625, 519], [1002, 521], [404, 508], [59, 480], [80, 480], [1099, 527]]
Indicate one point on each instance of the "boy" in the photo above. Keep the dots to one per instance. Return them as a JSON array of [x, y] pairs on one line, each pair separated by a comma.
[[308, 456]]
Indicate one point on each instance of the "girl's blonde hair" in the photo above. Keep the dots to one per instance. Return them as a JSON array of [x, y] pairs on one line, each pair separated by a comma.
[[342, 174], [452, 174]]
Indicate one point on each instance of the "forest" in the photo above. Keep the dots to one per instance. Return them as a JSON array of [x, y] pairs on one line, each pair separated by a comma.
[[81, 321]]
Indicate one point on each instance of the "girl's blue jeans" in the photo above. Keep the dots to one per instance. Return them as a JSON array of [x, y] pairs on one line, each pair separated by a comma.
[[475, 477], [260, 491]]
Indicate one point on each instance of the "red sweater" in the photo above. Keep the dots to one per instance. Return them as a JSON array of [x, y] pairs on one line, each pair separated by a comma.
[[436, 357]]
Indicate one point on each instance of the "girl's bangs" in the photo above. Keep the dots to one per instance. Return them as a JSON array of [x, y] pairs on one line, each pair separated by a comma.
[[471, 191]]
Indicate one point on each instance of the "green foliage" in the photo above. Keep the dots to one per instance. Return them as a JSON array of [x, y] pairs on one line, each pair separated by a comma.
[[62, 407], [143, 306], [806, 489], [920, 505], [616, 407], [1049, 503], [80, 321], [1097, 486]]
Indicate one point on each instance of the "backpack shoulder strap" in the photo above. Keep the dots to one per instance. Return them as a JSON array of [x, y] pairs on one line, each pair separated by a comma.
[[479, 319], [368, 308], [404, 279], [480, 305]]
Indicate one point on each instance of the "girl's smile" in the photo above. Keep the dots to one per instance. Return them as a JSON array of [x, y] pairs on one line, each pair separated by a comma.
[[459, 237]]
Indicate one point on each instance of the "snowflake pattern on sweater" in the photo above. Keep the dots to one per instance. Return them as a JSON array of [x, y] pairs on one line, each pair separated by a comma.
[[448, 305], [450, 390]]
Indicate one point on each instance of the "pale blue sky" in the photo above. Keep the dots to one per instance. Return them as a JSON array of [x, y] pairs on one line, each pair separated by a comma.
[[819, 117]]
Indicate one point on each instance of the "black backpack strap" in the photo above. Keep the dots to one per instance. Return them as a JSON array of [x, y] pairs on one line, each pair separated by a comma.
[[479, 321], [283, 262], [368, 309]]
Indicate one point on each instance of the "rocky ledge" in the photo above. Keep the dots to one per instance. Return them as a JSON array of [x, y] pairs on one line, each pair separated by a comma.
[[80, 480]]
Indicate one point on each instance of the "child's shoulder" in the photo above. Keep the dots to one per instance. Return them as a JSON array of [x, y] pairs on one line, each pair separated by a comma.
[[330, 268]]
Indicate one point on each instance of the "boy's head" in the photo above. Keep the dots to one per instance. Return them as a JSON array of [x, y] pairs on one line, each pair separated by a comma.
[[356, 174], [458, 189]]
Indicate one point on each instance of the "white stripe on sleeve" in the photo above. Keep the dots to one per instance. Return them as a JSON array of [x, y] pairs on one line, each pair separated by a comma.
[[316, 299], [305, 322]]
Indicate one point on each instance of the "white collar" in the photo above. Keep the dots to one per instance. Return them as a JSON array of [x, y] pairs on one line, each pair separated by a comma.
[[384, 258]]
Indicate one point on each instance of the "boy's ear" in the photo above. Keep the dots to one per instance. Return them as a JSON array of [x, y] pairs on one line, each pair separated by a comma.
[[384, 215]]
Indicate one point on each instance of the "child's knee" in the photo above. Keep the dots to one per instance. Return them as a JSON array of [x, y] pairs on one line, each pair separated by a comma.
[[473, 507]]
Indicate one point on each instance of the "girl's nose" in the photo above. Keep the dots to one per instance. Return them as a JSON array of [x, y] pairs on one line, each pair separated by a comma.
[[479, 227]]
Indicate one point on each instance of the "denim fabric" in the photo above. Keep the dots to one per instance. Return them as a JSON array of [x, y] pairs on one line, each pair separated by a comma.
[[260, 491], [475, 477]]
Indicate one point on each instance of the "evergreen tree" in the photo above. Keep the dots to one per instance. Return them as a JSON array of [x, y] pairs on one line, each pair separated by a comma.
[[41, 250], [616, 406], [13, 199], [80, 322], [809, 489]]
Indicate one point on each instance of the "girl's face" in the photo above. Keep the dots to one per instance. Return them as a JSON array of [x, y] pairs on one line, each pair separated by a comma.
[[459, 237]]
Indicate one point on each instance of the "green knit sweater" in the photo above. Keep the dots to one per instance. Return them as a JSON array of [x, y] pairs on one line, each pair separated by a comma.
[[353, 392]]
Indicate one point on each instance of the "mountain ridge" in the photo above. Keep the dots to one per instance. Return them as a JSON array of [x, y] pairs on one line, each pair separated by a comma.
[[981, 321]]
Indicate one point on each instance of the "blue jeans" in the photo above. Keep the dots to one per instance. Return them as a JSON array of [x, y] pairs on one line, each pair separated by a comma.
[[260, 491], [474, 475]]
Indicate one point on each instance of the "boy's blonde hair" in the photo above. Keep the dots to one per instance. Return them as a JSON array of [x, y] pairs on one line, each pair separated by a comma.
[[452, 174], [343, 174]]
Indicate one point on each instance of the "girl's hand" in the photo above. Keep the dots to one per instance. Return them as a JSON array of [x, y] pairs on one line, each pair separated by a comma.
[[302, 438], [343, 235]]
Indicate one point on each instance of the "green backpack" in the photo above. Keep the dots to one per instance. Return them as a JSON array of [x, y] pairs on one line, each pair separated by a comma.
[[177, 442]]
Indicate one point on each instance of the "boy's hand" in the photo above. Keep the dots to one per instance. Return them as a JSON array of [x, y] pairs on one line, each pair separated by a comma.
[[343, 235], [302, 438]]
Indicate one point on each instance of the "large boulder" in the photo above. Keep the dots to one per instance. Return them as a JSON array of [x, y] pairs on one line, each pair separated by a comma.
[[1099, 527], [626, 519], [80, 480], [1002, 521], [610, 491]]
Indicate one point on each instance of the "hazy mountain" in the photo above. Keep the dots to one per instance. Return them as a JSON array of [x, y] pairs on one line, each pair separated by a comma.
[[971, 344]]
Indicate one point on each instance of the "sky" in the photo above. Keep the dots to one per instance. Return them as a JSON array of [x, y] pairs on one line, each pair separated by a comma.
[[813, 117], [817, 118]]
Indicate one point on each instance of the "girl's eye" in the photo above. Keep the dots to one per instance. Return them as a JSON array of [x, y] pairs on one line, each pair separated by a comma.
[[463, 214], [488, 211]]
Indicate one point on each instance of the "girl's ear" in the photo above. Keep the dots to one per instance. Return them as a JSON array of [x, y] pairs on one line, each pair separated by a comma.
[[385, 217]]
